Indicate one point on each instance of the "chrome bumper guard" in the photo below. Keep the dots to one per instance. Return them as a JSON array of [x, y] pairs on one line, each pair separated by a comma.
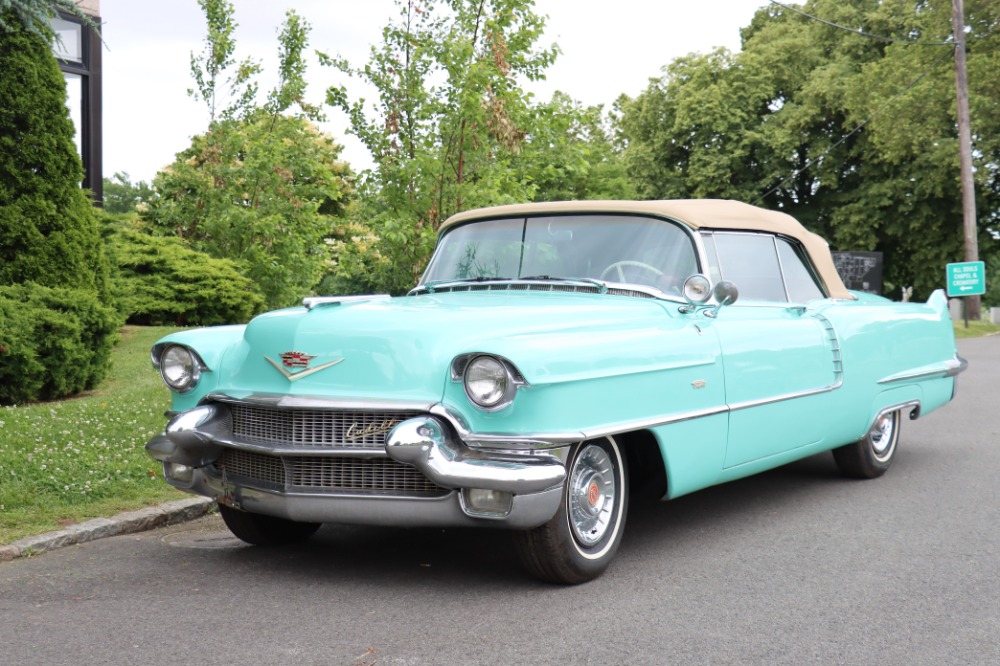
[[197, 437]]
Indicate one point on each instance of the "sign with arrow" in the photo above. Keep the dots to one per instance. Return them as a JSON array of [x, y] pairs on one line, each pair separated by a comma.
[[966, 279]]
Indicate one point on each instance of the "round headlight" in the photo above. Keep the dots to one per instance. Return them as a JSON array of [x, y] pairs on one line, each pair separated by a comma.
[[179, 368], [487, 382]]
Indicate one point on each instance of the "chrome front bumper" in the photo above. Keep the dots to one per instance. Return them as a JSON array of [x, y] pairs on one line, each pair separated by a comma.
[[195, 439]]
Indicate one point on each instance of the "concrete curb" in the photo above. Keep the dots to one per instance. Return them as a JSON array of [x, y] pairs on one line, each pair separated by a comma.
[[129, 522]]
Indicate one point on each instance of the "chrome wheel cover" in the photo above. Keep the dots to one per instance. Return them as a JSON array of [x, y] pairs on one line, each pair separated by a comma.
[[882, 436], [592, 495]]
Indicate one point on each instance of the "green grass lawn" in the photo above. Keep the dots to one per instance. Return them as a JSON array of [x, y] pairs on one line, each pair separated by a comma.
[[71, 460], [976, 329]]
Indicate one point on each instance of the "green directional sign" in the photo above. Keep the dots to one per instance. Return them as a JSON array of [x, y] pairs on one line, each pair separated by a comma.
[[966, 279]]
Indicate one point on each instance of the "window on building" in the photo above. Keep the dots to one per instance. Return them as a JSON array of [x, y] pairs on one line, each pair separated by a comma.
[[78, 51]]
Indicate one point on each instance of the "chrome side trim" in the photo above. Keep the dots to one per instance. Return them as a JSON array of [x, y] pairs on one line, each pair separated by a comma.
[[949, 368], [280, 400], [546, 440], [781, 398]]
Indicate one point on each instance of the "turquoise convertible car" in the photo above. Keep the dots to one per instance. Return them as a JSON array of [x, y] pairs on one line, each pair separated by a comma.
[[554, 359]]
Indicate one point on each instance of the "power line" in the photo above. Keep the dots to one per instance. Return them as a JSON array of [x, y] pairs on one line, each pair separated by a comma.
[[857, 129], [857, 32]]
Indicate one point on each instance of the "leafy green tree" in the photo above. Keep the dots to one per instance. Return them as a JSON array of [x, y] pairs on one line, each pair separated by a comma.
[[854, 136], [571, 154], [265, 193], [227, 93], [446, 130], [262, 186], [121, 195]]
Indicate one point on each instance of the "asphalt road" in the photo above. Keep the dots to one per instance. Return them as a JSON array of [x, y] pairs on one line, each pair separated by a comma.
[[795, 566]]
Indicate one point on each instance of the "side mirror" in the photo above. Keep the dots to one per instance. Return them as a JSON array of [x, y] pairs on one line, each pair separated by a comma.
[[725, 293]]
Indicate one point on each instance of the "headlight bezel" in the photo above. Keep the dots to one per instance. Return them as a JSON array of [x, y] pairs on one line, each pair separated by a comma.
[[469, 368], [191, 373]]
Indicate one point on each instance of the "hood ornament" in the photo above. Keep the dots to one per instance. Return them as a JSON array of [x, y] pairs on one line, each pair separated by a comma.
[[297, 359]]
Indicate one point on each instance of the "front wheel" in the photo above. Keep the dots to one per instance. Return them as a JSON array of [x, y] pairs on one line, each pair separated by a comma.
[[871, 455], [261, 530], [579, 542]]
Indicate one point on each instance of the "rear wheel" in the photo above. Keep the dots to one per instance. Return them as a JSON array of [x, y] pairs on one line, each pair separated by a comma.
[[871, 455], [579, 542], [261, 530]]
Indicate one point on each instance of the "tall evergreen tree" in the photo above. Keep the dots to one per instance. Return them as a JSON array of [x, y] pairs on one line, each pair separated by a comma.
[[48, 229], [56, 326]]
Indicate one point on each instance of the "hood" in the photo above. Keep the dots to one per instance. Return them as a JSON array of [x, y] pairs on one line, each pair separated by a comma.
[[402, 348]]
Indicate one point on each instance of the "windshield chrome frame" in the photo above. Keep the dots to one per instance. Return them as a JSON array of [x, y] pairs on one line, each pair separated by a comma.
[[701, 256]]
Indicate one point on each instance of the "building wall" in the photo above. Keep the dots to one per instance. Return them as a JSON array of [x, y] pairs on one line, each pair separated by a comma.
[[92, 7]]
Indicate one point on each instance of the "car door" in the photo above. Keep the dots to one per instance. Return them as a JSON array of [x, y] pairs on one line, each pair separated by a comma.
[[781, 360]]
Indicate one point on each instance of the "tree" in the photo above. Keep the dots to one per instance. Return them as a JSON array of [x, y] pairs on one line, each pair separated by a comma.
[[450, 121], [48, 230], [571, 154], [262, 186], [121, 195], [852, 135], [54, 278]]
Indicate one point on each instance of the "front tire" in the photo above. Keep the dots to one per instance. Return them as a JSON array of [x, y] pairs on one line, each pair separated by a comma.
[[579, 542], [870, 456], [260, 530]]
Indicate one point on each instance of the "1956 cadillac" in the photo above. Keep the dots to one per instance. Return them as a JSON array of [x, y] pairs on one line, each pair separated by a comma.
[[553, 359]]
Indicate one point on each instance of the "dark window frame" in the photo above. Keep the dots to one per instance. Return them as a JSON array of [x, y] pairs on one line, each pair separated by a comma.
[[89, 70]]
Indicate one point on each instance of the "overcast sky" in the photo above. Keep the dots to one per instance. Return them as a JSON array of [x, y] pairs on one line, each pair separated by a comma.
[[609, 47]]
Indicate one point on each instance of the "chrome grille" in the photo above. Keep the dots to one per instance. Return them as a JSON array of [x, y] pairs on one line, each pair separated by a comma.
[[314, 428], [341, 475]]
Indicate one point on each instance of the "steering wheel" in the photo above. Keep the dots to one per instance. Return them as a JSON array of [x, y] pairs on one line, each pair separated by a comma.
[[618, 265]]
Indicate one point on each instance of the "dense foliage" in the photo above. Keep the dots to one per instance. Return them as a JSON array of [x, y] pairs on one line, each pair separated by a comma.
[[262, 186], [264, 193], [53, 341], [854, 136], [452, 129], [48, 229], [162, 281], [121, 195], [56, 329]]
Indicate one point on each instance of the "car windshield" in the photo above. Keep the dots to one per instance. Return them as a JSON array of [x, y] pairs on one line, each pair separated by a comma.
[[613, 248]]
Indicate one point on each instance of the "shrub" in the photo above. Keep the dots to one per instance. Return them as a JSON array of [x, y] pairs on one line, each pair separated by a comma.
[[48, 228], [53, 341], [162, 281]]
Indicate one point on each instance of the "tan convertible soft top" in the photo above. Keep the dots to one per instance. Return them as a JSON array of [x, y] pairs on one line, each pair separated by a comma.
[[695, 213]]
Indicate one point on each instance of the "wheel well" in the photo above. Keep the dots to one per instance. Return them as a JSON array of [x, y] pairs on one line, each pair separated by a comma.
[[647, 475]]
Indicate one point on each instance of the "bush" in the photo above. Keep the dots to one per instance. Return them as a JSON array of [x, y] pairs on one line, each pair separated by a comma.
[[263, 192], [48, 228], [53, 342], [162, 281]]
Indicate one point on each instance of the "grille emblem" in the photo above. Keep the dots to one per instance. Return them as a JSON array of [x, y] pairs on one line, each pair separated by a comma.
[[295, 359]]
